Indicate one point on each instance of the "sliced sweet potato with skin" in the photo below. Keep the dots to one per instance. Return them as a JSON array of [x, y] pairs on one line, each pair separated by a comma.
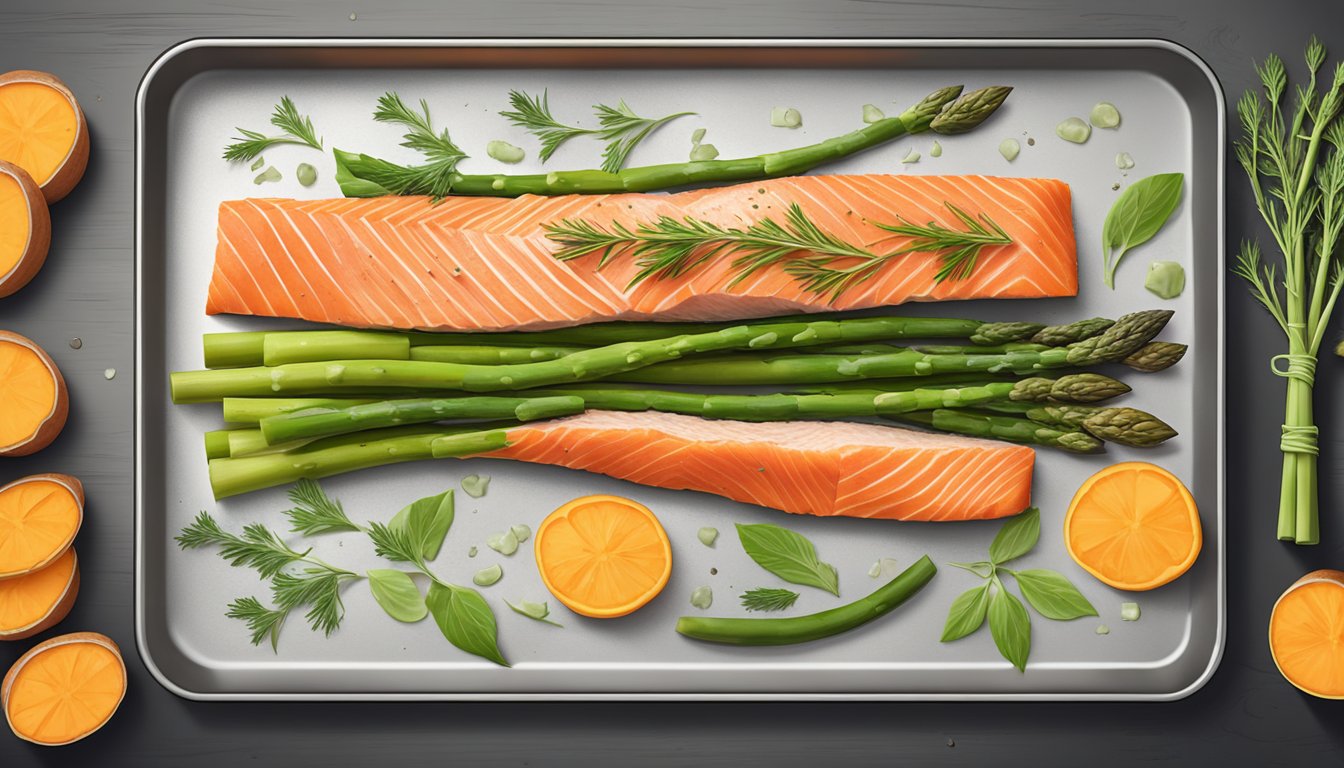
[[25, 228], [39, 517], [33, 396], [43, 130], [1306, 634], [40, 600], [64, 689]]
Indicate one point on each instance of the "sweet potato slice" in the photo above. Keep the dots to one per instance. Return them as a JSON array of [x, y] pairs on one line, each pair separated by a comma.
[[64, 689], [1306, 634], [33, 397], [39, 517], [43, 131], [40, 600], [25, 228]]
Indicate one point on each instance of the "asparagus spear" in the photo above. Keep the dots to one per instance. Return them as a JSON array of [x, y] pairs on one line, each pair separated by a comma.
[[323, 422], [347, 453], [1125, 426], [1016, 429], [251, 410], [944, 111], [1128, 334], [1063, 335], [232, 350], [1156, 356]]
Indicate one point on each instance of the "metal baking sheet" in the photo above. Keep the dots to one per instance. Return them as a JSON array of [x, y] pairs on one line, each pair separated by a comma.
[[194, 95]]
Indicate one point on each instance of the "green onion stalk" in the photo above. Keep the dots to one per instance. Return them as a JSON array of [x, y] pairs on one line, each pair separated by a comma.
[[1293, 153]]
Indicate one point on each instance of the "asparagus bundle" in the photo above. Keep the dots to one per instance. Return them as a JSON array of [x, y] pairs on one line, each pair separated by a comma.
[[372, 398]]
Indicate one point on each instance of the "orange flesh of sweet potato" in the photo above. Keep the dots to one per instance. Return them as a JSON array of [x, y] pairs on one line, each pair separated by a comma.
[[64, 688], [32, 397], [39, 517], [1306, 634], [40, 600], [43, 131], [25, 228]]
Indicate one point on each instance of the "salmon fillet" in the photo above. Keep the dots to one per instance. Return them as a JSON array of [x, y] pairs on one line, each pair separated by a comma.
[[811, 468], [481, 263]]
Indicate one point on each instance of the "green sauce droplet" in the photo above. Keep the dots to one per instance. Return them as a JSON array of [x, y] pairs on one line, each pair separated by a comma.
[[504, 152], [488, 575], [1074, 130], [702, 597], [1105, 115], [1165, 279], [306, 174], [708, 536]]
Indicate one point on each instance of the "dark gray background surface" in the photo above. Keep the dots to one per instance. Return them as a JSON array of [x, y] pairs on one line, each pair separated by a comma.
[[1247, 715]]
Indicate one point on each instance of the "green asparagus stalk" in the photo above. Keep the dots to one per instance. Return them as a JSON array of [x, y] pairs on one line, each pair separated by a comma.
[[324, 422], [944, 111], [1127, 335], [347, 453], [1156, 356], [251, 410], [230, 350], [1123, 426], [1015, 429]]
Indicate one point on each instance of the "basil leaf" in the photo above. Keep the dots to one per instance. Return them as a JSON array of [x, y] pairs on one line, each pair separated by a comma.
[[1137, 215], [397, 594], [427, 521], [1017, 537], [1052, 595], [1011, 627], [967, 613], [788, 555], [466, 620]]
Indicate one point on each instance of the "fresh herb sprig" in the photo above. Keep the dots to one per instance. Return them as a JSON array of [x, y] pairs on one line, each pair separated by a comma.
[[317, 585], [413, 536], [297, 128], [769, 599], [668, 247], [622, 129], [534, 114], [1293, 155], [1049, 592], [434, 178], [788, 555]]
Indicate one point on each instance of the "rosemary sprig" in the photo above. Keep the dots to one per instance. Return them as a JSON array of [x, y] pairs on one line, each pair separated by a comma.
[[622, 129], [298, 129], [534, 114], [669, 247], [265, 623], [434, 178], [768, 599]]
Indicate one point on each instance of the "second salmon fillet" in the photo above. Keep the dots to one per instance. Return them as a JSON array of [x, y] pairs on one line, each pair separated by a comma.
[[811, 468], [473, 263]]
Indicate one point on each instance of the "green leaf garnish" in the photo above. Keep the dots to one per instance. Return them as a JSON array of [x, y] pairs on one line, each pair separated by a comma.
[[465, 619], [768, 599], [297, 129], [397, 594], [1017, 537], [1136, 216], [788, 555]]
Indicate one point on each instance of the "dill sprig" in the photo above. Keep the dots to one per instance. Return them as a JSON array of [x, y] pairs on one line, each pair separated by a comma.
[[258, 547], [768, 599], [265, 623], [396, 543], [316, 586], [669, 247], [434, 178], [1292, 150], [297, 128], [622, 129], [533, 113], [315, 512]]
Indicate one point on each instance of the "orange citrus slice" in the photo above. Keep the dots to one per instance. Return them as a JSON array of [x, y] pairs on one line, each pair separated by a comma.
[[1134, 526], [1306, 634], [603, 556]]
